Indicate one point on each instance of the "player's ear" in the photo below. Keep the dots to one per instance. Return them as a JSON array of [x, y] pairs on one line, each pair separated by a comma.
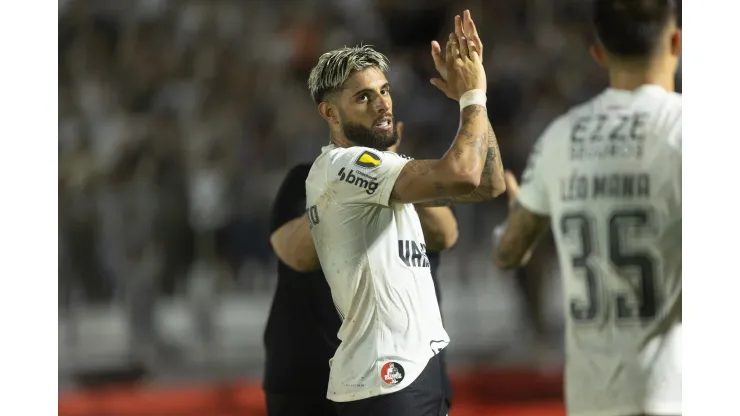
[[676, 42], [329, 112], [597, 52]]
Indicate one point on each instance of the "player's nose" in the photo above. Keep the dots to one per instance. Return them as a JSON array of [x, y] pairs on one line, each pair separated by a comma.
[[382, 105]]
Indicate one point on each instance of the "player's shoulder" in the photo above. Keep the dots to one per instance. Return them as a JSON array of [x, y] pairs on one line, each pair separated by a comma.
[[666, 110], [557, 131], [364, 158], [669, 107], [674, 100], [672, 128], [335, 163], [590, 107], [674, 109], [674, 121]]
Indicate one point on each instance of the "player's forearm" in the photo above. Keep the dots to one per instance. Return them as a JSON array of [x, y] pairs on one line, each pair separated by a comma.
[[301, 249], [491, 183], [523, 231], [508, 256], [456, 174], [492, 178], [439, 226], [467, 155], [294, 245]]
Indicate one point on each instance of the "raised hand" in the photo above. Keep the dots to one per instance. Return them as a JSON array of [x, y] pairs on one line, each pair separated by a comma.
[[467, 28], [469, 49]]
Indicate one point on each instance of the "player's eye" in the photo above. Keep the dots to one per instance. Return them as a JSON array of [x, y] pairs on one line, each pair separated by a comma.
[[362, 98]]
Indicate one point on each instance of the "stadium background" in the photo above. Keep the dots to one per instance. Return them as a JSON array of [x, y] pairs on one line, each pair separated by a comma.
[[177, 121]]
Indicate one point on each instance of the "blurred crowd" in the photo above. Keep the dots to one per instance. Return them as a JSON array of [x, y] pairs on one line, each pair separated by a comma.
[[179, 118]]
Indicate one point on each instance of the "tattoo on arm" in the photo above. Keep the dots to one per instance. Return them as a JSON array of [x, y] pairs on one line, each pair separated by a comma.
[[492, 177], [484, 149], [415, 167]]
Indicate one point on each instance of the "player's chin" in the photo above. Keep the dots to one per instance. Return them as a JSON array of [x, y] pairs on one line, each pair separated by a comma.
[[386, 141]]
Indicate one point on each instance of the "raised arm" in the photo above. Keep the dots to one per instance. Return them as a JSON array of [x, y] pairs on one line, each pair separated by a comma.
[[438, 223], [456, 173], [491, 183], [492, 178], [471, 170]]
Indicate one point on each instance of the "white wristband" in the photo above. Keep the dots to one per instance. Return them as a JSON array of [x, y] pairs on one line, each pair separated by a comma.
[[472, 97]]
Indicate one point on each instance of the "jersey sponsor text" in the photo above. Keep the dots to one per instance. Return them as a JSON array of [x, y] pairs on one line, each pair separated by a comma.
[[359, 179]]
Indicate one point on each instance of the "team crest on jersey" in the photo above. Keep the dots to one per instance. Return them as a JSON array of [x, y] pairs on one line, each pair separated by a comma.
[[392, 373], [368, 160]]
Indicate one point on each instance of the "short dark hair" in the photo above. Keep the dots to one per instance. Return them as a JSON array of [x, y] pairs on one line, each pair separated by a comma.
[[632, 29]]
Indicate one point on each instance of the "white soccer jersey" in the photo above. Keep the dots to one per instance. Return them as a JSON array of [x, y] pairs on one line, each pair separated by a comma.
[[608, 173], [372, 253]]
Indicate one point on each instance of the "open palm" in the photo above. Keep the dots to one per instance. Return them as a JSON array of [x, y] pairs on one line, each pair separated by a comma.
[[464, 27]]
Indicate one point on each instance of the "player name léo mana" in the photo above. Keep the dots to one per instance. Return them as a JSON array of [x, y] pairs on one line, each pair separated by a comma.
[[581, 187]]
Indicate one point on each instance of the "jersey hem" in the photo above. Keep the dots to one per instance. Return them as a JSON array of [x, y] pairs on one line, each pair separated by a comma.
[[654, 410], [373, 392]]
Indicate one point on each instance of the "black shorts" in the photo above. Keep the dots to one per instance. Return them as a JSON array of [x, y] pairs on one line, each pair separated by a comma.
[[424, 397], [446, 384], [295, 405]]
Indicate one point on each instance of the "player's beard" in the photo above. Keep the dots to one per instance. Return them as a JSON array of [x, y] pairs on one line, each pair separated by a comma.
[[363, 136]]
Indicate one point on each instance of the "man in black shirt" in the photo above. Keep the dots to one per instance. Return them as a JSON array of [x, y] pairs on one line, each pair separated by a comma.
[[301, 332]]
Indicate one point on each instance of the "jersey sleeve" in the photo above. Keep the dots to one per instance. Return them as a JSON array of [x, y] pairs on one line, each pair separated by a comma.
[[534, 193], [360, 175], [290, 201]]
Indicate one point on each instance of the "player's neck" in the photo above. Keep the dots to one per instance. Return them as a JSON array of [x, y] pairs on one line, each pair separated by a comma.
[[630, 78], [339, 140]]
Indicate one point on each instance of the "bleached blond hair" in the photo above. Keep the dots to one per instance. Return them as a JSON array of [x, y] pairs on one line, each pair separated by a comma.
[[335, 67]]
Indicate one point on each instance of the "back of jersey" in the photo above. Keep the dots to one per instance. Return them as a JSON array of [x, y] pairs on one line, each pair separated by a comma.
[[608, 173]]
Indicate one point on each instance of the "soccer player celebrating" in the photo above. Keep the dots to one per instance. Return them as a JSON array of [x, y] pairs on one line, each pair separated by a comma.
[[360, 206], [606, 177], [301, 332]]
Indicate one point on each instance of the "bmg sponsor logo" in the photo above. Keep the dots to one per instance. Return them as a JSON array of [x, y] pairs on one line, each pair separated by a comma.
[[359, 180]]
